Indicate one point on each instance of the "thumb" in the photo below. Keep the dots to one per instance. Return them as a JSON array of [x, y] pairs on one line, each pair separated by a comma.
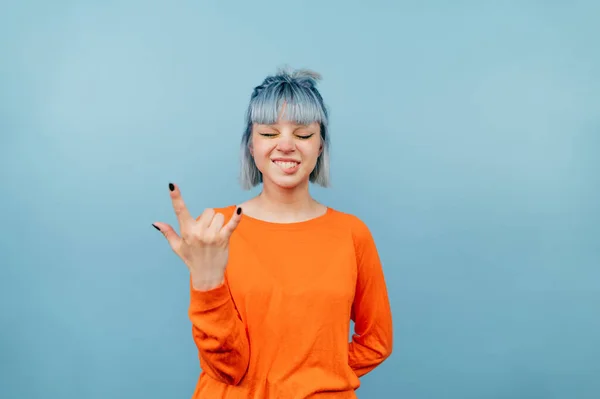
[[230, 227], [173, 239]]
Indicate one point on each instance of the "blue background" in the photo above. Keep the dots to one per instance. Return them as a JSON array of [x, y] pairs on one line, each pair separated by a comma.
[[466, 135]]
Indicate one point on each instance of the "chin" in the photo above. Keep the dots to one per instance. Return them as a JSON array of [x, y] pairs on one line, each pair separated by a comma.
[[286, 182]]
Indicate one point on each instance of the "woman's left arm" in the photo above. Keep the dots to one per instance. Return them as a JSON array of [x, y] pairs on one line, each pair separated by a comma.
[[373, 331]]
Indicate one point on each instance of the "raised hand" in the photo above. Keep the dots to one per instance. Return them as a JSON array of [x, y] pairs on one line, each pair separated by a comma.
[[204, 242]]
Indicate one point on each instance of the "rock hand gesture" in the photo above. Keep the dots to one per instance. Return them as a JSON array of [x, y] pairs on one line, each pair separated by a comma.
[[204, 242]]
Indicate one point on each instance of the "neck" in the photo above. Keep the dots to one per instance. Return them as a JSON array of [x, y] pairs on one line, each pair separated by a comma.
[[287, 204]]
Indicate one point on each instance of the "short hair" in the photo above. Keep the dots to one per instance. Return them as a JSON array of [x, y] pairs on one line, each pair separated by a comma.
[[296, 89]]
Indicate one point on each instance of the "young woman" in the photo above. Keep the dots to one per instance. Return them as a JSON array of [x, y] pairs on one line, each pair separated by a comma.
[[274, 287]]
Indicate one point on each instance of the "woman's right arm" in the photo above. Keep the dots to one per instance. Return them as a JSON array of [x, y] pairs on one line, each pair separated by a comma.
[[217, 328]]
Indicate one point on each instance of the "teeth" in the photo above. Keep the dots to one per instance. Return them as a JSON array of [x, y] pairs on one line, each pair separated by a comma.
[[286, 165]]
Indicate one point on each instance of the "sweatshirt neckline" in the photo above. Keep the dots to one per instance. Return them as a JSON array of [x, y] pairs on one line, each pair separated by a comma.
[[251, 221]]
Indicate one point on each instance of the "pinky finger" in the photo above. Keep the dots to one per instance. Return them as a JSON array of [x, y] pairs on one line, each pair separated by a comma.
[[229, 228]]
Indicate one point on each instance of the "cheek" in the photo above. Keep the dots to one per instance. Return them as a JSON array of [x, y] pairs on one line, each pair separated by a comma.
[[260, 152], [311, 150], [260, 149]]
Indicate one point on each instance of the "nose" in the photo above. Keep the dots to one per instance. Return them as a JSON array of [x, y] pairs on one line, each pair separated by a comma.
[[286, 143]]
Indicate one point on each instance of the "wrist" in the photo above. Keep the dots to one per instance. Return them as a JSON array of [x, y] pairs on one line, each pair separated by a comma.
[[203, 282]]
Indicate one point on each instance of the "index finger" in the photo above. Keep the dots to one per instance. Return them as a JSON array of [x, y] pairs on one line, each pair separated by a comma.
[[181, 211]]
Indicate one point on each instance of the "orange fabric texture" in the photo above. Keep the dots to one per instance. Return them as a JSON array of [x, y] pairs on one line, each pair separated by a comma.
[[278, 327]]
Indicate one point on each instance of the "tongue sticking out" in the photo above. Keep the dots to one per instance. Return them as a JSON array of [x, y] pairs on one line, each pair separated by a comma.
[[287, 167]]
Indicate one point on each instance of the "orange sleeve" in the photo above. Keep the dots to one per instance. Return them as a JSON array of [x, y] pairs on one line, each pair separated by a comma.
[[373, 336], [219, 334]]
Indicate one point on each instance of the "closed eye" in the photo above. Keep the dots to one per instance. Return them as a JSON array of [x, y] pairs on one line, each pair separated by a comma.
[[275, 134]]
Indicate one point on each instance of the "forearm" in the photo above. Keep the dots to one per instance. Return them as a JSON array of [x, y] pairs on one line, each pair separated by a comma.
[[219, 333], [365, 354]]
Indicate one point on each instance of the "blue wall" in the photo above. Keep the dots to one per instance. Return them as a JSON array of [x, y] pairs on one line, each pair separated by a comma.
[[466, 134]]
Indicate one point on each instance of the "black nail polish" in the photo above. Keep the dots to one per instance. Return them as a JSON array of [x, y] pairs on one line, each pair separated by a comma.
[[239, 211], [155, 226], [171, 186]]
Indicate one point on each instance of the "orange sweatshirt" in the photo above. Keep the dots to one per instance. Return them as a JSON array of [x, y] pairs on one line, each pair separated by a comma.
[[278, 327]]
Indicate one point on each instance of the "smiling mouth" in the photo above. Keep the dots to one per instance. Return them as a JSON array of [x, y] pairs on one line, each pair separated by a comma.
[[287, 167], [287, 164]]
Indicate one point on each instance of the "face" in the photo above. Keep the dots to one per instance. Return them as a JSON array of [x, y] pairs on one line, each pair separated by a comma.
[[286, 153]]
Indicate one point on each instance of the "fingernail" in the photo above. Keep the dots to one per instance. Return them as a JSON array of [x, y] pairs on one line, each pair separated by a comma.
[[239, 211], [171, 186], [155, 226]]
